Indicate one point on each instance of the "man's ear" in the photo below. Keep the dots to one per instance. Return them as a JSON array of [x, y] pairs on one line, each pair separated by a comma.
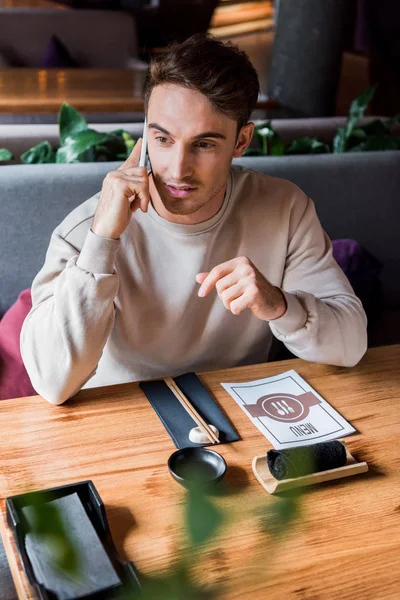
[[244, 139]]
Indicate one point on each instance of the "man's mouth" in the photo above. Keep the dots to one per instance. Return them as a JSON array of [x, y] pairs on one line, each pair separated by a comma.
[[180, 191]]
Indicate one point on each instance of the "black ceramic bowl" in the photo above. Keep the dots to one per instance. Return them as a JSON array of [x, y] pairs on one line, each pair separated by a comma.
[[193, 467]]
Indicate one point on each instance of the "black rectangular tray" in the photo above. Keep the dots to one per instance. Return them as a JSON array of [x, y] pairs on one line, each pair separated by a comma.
[[95, 510]]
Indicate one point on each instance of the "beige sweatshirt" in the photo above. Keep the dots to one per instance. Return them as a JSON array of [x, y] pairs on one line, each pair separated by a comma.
[[111, 311]]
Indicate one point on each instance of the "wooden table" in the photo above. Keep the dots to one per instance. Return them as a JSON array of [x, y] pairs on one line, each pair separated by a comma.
[[346, 544], [34, 91]]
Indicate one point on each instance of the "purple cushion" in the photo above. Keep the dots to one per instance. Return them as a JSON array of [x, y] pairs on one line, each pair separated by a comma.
[[14, 380], [362, 270], [57, 56]]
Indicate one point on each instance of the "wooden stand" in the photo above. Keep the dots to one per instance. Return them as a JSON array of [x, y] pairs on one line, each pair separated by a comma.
[[274, 486]]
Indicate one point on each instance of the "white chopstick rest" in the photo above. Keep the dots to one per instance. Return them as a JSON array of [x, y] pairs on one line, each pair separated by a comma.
[[197, 436], [142, 161]]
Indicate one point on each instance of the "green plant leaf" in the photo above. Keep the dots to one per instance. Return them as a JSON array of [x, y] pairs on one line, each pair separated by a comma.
[[70, 121], [253, 152], [203, 517], [358, 136], [307, 145], [78, 143], [358, 108], [111, 148], [5, 155], [177, 584], [359, 133], [265, 133], [356, 112], [102, 154], [277, 146], [128, 141], [88, 156], [277, 517], [376, 143], [264, 128], [339, 141], [46, 522], [392, 122], [118, 147], [285, 511], [42, 153], [376, 127]]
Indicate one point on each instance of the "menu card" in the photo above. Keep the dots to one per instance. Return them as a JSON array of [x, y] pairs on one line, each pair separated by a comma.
[[288, 411]]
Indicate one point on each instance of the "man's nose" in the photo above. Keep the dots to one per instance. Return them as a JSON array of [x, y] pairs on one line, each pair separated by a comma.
[[181, 164]]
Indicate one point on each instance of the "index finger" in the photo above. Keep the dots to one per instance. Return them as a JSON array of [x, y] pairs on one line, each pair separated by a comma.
[[133, 158], [214, 275]]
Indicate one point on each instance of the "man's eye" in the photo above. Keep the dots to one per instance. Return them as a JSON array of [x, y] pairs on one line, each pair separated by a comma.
[[161, 139], [205, 145]]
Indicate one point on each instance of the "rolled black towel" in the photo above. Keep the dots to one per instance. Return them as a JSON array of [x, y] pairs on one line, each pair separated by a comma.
[[295, 462]]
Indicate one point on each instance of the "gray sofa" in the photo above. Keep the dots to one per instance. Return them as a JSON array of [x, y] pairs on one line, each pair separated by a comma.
[[94, 38], [356, 195]]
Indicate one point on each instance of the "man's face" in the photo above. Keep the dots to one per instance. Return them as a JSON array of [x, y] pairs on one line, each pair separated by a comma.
[[191, 146]]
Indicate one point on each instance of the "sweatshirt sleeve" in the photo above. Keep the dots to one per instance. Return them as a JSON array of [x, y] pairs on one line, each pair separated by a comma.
[[72, 315], [324, 322]]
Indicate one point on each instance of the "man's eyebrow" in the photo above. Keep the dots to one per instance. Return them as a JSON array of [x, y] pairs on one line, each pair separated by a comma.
[[206, 134], [156, 126], [210, 134]]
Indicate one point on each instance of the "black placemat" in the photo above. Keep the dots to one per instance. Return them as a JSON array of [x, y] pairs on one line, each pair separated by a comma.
[[175, 418]]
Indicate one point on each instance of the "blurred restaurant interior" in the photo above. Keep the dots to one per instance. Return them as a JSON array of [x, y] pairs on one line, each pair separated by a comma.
[[327, 119], [313, 58]]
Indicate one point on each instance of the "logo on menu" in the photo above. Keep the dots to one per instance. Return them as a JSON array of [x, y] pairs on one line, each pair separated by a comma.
[[285, 408]]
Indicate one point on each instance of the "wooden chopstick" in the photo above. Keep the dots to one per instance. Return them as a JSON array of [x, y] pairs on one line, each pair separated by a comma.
[[198, 419]]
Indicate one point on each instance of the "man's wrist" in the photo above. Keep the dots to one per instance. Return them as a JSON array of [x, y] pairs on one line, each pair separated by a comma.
[[281, 307], [108, 235]]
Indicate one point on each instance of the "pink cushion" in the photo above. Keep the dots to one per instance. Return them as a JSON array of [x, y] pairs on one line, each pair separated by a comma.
[[14, 380]]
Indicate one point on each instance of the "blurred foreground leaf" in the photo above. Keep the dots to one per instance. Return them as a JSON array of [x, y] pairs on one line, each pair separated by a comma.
[[203, 517], [46, 522], [280, 515], [177, 584]]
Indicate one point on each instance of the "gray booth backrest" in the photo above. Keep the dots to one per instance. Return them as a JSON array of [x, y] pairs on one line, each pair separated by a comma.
[[356, 196]]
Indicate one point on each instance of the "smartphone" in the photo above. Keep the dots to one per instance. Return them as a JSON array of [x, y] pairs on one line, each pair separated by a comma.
[[143, 152]]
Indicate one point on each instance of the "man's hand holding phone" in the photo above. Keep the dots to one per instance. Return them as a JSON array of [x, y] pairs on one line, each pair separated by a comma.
[[123, 191]]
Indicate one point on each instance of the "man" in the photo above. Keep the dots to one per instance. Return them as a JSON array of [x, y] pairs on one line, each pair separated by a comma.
[[195, 265]]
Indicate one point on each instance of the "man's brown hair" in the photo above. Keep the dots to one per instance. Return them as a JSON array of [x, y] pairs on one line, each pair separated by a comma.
[[220, 71]]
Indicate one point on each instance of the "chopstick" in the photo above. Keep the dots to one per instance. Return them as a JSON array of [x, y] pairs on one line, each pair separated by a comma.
[[191, 410]]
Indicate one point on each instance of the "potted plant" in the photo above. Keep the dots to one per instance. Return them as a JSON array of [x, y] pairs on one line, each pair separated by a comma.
[[353, 137], [77, 143]]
